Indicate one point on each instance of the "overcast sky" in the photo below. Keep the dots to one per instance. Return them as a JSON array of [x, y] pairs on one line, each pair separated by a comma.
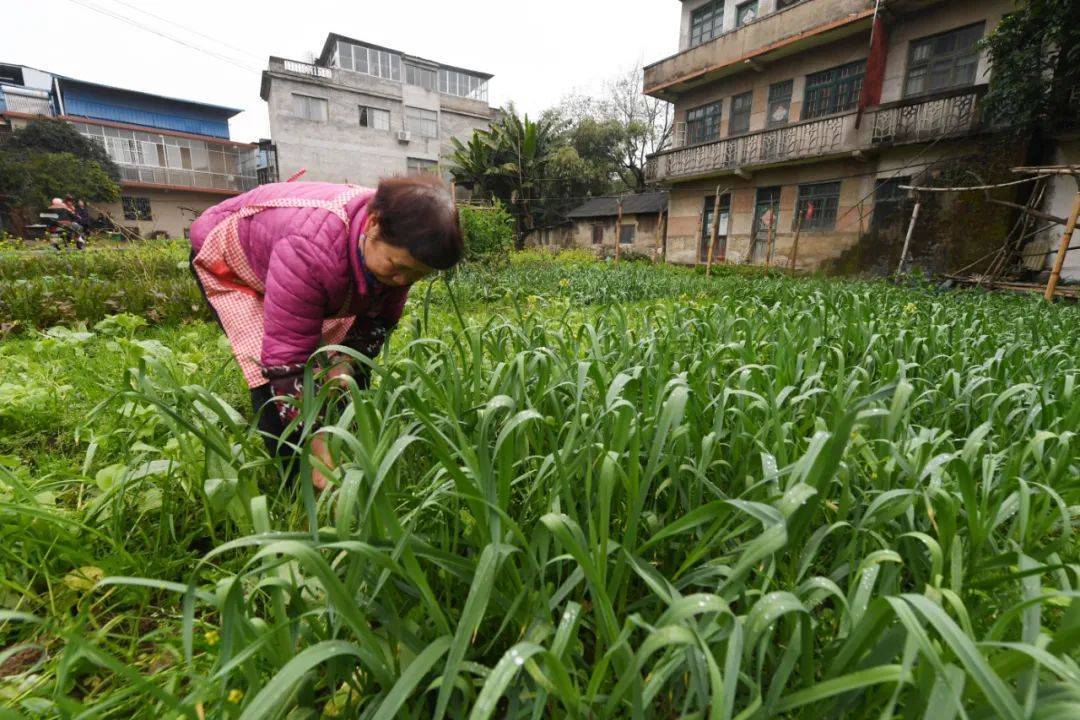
[[538, 51]]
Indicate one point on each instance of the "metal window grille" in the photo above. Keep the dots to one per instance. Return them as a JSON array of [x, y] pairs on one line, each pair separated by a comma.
[[706, 22], [779, 103], [707, 223], [136, 208], [818, 205], [703, 123], [627, 234], [834, 90], [740, 113], [746, 13], [943, 61]]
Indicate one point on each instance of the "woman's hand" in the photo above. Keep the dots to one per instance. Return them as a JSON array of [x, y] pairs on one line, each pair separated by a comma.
[[322, 454]]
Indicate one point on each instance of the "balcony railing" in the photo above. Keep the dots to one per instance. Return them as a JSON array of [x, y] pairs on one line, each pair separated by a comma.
[[943, 115], [915, 120], [300, 68], [806, 22], [803, 140]]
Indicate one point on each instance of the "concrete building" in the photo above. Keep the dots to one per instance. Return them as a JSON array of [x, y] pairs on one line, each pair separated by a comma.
[[362, 112], [175, 156], [807, 115]]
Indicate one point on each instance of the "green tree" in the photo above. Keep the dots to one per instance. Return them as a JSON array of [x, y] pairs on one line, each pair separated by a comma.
[[43, 161], [1035, 56], [508, 162], [57, 136]]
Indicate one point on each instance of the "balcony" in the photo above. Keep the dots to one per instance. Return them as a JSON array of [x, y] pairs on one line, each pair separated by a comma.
[[785, 32], [949, 114]]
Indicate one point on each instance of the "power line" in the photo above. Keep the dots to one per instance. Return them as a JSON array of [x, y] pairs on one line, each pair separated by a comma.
[[155, 31], [242, 51]]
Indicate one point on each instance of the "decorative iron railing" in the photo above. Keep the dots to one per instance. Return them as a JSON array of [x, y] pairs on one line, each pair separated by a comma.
[[948, 114], [943, 115], [802, 140]]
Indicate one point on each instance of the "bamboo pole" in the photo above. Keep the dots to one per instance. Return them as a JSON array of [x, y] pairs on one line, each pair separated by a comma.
[[715, 233], [795, 242], [910, 232], [618, 232], [1059, 261], [774, 213]]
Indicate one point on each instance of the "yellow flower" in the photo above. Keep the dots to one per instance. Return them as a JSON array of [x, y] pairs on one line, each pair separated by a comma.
[[564, 283], [910, 308], [211, 637], [236, 695]]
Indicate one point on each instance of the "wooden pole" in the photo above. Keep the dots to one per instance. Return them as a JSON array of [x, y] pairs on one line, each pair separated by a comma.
[[773, 217], [661, 232], [795, 242], [715, 233], [618, 232], [1059, 261], [910, 232]]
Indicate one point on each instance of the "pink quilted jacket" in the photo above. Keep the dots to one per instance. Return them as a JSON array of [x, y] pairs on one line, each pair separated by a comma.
[[310, 266]]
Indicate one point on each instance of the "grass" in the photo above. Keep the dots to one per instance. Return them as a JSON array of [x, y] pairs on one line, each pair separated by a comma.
[[594, 492]]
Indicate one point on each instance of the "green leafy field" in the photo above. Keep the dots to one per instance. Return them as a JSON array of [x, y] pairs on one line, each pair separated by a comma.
[[574, 491]]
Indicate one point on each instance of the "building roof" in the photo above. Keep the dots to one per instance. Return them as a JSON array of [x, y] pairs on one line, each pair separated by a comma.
[[640, 204], [332, 38], [230, 110]]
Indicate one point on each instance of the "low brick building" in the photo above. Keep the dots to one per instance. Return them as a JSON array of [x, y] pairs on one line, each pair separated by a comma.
[[593, 225]]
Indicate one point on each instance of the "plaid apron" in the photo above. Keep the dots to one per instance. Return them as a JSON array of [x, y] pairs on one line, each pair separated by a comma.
[[236, 293]]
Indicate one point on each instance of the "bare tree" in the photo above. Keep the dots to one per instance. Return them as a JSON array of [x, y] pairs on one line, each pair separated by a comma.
[[648, 123]]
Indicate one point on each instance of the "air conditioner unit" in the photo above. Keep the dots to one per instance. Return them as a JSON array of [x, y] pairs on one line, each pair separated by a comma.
[[404, 136]]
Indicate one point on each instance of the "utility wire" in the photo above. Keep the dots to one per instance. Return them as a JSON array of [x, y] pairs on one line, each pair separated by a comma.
[[242, 51], [159, 33]]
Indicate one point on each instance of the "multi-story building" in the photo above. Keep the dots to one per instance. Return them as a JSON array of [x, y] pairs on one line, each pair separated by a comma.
[[361, 112], [808, 115], [175, 156]]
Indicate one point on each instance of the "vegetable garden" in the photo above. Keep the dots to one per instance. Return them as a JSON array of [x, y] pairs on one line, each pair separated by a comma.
[[574, 490]]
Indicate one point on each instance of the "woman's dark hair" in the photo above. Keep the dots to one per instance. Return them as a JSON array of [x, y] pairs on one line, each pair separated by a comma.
[[418, 213]]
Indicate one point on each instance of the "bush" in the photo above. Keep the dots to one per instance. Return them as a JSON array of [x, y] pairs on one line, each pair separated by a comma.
[[488, 231]]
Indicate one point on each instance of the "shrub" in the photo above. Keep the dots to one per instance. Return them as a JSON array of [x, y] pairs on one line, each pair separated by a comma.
[[488, 231]]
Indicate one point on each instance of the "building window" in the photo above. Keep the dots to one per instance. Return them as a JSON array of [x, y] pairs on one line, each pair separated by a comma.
[[136, 208], [703, 123], [597, 234], [944, 61], [740, 113], [369, 61], [374, 118], [834, 90], [706, 22], [779, 103], [746, 13], [426, 78], [310, 108], [462, 84], [424, 123], [627, 233], [419, 165], [781, 4], [706, 227], [817, 206]]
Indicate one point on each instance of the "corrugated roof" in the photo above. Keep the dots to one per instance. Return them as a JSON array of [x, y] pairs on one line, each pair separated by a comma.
[[640, 204]]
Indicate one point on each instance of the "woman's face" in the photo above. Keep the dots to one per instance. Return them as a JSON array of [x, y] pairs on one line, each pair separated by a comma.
[[391, 265]]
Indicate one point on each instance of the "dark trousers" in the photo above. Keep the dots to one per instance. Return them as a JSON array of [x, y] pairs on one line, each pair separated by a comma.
[[270, 424]]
